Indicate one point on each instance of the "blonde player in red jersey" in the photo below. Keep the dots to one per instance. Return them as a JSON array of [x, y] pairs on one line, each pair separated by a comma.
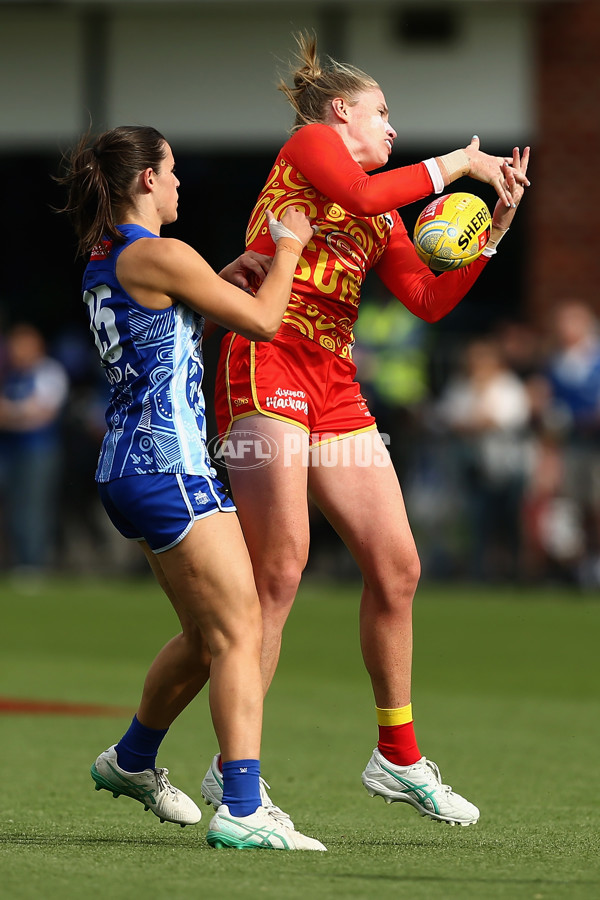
[[299, 392]]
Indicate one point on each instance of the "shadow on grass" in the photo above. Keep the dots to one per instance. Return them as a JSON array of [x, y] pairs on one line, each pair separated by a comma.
[[493, 878]]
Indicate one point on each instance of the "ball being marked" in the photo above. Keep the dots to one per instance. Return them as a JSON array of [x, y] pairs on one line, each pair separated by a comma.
[[452, 231]]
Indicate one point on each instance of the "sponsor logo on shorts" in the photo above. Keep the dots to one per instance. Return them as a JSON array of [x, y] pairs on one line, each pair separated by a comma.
[[285, 398], [201, 499], [241, 401]]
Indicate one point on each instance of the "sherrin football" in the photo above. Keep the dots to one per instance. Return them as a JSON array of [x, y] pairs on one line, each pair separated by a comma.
[[452, 231]]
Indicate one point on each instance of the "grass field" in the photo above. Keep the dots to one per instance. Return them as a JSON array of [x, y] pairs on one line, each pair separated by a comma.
[[506, 702]]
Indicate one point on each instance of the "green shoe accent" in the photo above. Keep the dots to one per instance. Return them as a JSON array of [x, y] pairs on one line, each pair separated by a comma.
[[419, 790], [224, 841], [123, 787], [221, 841], [150, 787]]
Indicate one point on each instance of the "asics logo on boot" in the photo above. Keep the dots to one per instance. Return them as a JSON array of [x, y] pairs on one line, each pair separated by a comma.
[[419, 790], [134, 790]]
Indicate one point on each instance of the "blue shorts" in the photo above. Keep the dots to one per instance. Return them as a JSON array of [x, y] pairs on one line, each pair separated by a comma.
[[161, 508]]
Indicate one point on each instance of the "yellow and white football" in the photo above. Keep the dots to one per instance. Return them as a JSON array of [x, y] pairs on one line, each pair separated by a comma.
[[452, 231]]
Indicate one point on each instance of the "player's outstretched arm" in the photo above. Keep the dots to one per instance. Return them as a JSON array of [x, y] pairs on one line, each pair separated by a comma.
[[429, 296], [319, 153]]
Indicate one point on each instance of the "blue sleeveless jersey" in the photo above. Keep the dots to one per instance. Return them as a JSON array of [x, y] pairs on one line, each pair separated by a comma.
[[153, 363]]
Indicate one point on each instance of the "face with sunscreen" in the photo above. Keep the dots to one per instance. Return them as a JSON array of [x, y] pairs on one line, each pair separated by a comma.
[[367, 131]]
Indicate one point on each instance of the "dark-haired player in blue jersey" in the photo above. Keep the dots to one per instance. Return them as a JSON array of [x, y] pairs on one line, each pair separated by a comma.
[[147, 297]]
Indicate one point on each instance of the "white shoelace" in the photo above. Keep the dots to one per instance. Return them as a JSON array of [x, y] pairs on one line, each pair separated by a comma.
[[431, 765], [162, 782], [278, 814]]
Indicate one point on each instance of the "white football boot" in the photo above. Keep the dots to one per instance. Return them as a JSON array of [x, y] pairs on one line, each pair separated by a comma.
[[259, 831], [151, 787], [421, 786], [212, 791]]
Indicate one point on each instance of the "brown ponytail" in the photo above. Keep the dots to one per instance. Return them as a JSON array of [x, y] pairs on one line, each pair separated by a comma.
[[100, 179], [315, 85]]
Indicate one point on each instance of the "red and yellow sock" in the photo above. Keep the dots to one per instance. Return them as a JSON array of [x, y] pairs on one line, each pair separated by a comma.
[[397, 741]]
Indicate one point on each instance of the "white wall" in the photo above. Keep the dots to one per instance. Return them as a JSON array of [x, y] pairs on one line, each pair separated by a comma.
[[40, 89], [204, 73], [482, 84]]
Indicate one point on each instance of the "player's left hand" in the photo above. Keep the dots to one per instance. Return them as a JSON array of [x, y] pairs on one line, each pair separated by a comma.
[[493, 170], [248, 271], [515, 179]]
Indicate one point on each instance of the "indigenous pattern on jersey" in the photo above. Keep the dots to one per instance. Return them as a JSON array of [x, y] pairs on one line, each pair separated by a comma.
[[359, 229], [333, 265], [153, 362]]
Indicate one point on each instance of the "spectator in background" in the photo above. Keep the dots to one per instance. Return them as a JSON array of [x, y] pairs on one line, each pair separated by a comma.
[[521, 346], [486, 407], [88, 542], [553, 540], [33, 392], [573, 373], [392, 365]]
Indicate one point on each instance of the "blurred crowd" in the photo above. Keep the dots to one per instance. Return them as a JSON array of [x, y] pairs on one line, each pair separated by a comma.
[[495, 436], [52, 402]]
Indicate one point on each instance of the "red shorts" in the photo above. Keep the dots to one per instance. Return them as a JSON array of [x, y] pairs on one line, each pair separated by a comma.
[[292, 379]]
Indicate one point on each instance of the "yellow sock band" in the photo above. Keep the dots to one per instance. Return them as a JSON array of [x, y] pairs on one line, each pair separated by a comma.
[[400, 716]]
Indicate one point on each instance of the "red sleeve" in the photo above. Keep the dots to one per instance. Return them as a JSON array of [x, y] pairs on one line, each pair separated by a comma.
[[428, 296], [319, 153]]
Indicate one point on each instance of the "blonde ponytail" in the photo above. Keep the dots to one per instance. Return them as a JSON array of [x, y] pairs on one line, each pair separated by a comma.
[[316, 85]]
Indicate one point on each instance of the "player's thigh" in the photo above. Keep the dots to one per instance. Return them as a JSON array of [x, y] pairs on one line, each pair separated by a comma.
[[188, 625], [210, 574], [357, 489], [271, 497]]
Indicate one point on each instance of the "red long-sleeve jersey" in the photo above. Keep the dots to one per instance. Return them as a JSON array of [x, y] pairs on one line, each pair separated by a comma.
[[359, 229]]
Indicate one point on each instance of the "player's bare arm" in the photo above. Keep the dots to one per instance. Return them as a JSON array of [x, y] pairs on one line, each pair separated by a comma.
[[160, 272], [248, 271]]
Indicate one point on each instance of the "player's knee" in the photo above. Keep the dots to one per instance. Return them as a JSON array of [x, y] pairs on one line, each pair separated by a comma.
[[406, 572], [278, 584], [239, 635], [407, 580], [394, 588], [193, 645], [412, 572]]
